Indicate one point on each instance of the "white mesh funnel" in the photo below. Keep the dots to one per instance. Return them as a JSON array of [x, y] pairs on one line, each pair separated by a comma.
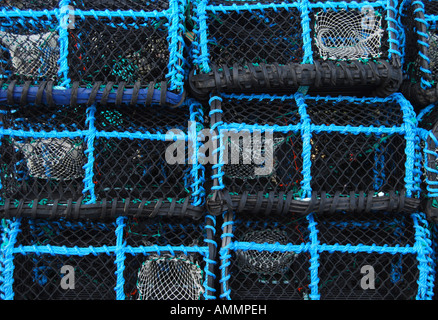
[[167, 277], [265, 261], [348, 35], [54, 158], [245, 169], [33, 55]]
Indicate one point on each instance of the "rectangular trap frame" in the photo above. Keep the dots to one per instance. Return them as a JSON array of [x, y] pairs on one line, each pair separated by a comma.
[[328, 154], [78, 44]]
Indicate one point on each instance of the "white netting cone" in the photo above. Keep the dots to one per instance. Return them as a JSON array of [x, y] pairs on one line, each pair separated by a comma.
[[54, 158], [246, 169], [265, 262], [348, 35], [168, 277], [34, 55]]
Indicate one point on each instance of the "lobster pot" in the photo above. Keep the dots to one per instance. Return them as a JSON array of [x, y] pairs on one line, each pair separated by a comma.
[[279, 46], [85, 260], [421, 51], [308, 154], [82, 43], [326, 256], [100, 162]]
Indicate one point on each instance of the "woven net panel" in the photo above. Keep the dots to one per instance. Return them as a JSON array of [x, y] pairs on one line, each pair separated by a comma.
[[137, 167], [392, 229], [430, 7], [356, 162], [279, 151], [396, 276], [113, 5], [260, 111], [254, 36], [230, 2], [169, 232], [29, 4], [41, 168], [269, 274], [164, 231], [118, 49], [348, 34], [169, 277], [38, 276], [341, 273], [29, 48], [272, 173]]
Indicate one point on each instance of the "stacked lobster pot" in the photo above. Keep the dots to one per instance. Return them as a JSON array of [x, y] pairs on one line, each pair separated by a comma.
[[92, 97], [318, 169], [218, 149]]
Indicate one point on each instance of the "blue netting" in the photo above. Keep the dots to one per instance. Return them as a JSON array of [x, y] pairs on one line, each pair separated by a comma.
[[328, 254], [279, 46], [96, 161], [115, 167], [106, 257], [67, 44], [328, 153]]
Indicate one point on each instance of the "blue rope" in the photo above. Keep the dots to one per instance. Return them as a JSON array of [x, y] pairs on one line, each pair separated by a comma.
[[120, 259], [314, 258], [63, 43], [11, 229], [89, 166]]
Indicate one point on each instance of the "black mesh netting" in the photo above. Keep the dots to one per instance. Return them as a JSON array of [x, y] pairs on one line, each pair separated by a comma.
[[254, 36], [270, 272], [126, 44], [342, 162], [113, 5], [30, 4], [151, 264], [276, 47], [38, 276], [357, 161], [270, 275], [118, 49], [283, 154], [66, 155], [341, 274]]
